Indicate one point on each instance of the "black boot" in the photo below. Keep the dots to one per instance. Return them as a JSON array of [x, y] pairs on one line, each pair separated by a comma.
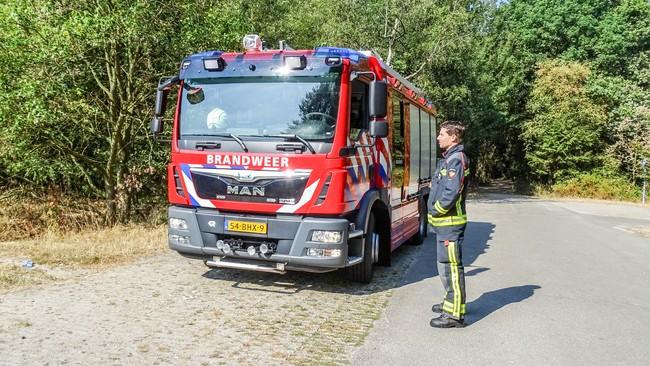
[[437, 308], [444, 321]]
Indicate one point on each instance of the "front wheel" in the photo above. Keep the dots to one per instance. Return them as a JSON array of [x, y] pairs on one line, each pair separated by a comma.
[[362, 272]]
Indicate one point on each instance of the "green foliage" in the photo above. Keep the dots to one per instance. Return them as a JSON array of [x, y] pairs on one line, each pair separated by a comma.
[[78, 113], [609, 38], [623, 39], [596, 185], [550, 89], [628, 123], [563, 136]]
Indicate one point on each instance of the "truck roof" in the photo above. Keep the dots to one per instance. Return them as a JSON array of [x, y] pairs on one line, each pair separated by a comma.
[[188, 66]]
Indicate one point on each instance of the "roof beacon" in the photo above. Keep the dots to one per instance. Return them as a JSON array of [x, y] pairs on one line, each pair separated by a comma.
[[252, 42]]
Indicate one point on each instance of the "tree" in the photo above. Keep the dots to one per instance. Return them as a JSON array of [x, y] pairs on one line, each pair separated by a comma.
[[80, 104], [564, 134]]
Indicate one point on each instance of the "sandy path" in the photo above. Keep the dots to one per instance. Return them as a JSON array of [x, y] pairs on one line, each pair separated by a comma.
[[172, 310]]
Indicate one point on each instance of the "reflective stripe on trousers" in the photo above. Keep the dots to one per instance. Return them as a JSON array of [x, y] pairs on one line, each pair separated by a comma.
[[452, 274]]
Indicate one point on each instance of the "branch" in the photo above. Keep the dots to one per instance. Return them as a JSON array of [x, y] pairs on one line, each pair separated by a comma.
[[88, 178], [73, 153], [98, 80], [419, 69]]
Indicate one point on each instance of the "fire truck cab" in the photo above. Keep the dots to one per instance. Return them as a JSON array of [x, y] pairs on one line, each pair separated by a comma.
[[306, 160]]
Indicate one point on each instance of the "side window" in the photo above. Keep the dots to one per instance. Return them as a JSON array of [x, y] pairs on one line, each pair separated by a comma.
[[358, 109], [414, 148], [397, 142], [433, 143], [425, 145]]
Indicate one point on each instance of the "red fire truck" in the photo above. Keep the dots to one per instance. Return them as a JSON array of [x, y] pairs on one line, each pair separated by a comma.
[[303, 160]]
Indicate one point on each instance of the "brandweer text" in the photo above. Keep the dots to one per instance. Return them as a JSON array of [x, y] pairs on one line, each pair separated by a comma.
[[263, 161]]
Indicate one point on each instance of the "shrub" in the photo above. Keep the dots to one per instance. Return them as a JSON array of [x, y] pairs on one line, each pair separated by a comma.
[[598, 186]]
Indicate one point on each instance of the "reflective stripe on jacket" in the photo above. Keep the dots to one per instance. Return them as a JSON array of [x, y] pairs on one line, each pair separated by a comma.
[[447, 199]]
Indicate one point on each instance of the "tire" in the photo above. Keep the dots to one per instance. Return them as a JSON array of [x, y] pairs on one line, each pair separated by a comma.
[[418, 238], [362, 272]]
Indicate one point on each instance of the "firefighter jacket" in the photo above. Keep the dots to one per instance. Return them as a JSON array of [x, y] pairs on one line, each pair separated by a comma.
[[447, 199]]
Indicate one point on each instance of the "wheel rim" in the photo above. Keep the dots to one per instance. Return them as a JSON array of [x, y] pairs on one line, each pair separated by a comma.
[[374, 241]]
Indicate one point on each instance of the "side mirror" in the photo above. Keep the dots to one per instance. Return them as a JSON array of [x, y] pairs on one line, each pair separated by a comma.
[[378, 99], [195, 95], [162, 92], [378, 128], [161, 102], [156, 125]]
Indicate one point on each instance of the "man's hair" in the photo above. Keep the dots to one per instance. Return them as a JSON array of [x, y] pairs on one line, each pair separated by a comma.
[[454, 128]]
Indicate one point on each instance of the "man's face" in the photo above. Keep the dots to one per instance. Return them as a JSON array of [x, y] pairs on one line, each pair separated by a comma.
[[445, 140]]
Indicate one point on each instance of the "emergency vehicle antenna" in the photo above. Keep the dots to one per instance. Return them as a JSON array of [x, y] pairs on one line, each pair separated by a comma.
[[285, 46]]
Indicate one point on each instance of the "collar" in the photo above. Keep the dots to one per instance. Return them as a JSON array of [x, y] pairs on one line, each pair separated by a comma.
[[453, 149]]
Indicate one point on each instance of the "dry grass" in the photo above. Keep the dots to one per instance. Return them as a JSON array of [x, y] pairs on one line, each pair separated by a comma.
[[16, 276], [26, 213], [117, 245], [643, 231], [30, 214], [87, 249], [595, 186]]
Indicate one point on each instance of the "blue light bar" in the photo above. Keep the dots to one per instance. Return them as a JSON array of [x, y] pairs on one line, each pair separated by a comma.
[[214, 53], [350, 54]]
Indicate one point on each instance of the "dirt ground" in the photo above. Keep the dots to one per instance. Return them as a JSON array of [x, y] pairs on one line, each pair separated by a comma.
[[170, 310]]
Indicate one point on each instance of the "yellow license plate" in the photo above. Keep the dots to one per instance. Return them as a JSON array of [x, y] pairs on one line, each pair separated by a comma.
[[246, 226]]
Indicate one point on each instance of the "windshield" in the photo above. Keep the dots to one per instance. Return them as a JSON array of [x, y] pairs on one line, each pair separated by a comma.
[[306, 106]]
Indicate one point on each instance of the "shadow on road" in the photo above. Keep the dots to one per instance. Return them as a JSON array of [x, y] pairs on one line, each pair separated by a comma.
[[492, 301], [477, 242], [419, 263], [475, 271], [385, 278], [477, 237]]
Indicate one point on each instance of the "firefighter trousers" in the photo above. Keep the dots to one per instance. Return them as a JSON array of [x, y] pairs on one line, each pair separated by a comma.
[[449, 243]]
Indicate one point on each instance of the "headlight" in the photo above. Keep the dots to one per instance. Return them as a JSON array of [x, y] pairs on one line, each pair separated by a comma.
[[178, 224], [179, 239], [316, 252], [326, 236]]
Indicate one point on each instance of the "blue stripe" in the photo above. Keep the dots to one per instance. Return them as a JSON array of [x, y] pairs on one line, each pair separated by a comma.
[[382, 173], [362, 176], [353, 175], [185, 168], [193, 202]]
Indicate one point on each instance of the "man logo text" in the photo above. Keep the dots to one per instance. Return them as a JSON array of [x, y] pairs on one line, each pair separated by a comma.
[[245, 191]]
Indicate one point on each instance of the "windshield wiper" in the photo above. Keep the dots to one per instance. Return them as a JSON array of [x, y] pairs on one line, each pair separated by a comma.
[[231, 135], [295, 137]]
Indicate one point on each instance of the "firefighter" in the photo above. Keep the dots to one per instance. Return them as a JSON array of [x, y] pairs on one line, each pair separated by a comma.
[[448, 219]]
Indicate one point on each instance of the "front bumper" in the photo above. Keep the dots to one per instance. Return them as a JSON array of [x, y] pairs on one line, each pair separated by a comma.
[[289, 234]]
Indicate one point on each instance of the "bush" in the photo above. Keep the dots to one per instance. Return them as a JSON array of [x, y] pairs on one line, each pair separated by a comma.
[[564, 133], [598, 186], [30, 213]]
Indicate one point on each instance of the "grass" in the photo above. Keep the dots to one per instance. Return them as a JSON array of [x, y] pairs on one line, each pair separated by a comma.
[[117, 245], [594, 186], [16, 276], [86, 249], [31, 213], [25, 213]]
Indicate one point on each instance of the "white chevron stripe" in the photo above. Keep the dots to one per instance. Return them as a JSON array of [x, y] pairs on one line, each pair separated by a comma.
[[190, 189], [306, 197]]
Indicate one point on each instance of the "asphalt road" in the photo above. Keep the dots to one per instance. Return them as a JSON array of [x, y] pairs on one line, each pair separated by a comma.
[[548, 283]]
